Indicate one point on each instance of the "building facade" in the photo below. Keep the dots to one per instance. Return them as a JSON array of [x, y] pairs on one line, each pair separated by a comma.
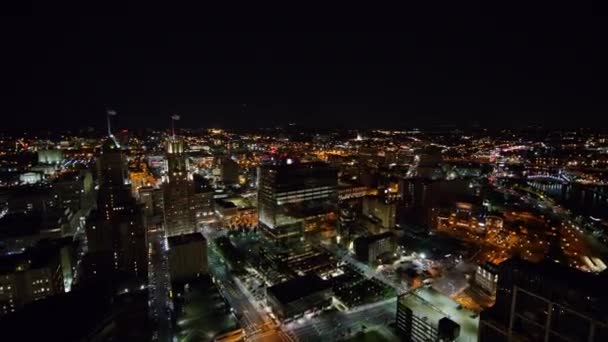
[[294, 200], [178, 189], [187, 256], [426, 315], [546, 302], [116, 230], [369, 248], [32, 275]]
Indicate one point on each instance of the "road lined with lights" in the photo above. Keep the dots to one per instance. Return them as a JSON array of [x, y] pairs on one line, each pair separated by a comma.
[[256, 323], [161, 304]]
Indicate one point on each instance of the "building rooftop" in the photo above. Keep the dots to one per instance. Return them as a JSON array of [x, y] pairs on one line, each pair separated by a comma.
[[225, 203], [590, 283], [33, 258], [68, 176], [427, 302], [297, 288], [185, 238], [375, 237], [19, 224], [235, 201]]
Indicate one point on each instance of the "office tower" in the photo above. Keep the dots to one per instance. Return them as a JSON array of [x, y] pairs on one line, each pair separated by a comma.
[[35, 274], [229, 171], [204, 205], [421, 195], [180, 216], [116, 230], [346, 226], [85, 314], [114, 193], [427, 315], [152, 201], [74, 190], [370, 248], [294, 199], [381, 210], [546, 301], [187, 256], [27, 199]]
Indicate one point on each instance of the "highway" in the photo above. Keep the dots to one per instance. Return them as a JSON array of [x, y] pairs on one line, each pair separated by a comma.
[[160, 285]]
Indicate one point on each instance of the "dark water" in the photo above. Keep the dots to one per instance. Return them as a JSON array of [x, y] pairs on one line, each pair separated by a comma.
[[585, 200]]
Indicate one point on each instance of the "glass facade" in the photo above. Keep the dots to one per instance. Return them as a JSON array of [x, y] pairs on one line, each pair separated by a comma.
[[293, 200]]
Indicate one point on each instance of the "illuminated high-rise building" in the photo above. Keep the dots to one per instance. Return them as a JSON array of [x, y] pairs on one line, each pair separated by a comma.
[[115, 232], [178, 189], [295, 199], [546, 301], [114, 193], [152, 201]]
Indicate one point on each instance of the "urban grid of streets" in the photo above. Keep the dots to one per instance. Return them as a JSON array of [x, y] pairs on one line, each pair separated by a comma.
[[257, 324], [332, 325], [254, 316]]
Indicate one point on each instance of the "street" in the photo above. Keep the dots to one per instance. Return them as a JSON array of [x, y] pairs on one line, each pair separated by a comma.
[[160, 285], [257, 324], [338, 325]]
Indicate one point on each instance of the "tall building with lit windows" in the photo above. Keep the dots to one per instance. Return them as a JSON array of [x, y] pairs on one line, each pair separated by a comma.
[[32, 275], [295, 199], [178, 190], [115, 232], [546, 301], [114, 193]]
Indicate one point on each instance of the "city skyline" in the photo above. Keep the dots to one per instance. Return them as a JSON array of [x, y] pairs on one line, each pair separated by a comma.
[[200, 178]]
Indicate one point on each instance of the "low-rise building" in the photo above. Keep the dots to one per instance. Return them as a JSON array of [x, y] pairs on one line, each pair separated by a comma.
[[187, 256], [236, 212], [382, 210], [348, 191], [427, 315], [296, 297], [370, 248], [486, 278]]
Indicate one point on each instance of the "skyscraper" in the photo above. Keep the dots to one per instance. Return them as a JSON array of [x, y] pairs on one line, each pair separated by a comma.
[[180, 216], [229, 171], [116, 230], [294, 199], [546, 301]]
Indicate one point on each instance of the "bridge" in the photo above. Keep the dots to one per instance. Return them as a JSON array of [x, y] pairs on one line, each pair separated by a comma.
[[556, 178]]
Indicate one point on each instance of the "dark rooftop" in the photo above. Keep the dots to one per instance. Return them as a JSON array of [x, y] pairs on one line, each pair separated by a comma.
[[185, 238], [32, 258], [18, 224], [591, 283], [376, 237], [297, 288], [225, 204]]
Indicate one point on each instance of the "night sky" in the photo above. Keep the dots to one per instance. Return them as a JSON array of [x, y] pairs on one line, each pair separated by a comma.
[[471, 67]]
